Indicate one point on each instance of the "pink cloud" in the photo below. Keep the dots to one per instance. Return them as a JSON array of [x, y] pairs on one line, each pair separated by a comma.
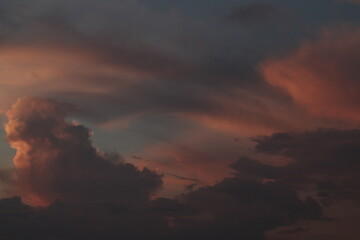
[[322, 75]]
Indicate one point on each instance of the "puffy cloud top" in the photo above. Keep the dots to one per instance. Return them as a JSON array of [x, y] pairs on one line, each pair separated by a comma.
[[55, 159]]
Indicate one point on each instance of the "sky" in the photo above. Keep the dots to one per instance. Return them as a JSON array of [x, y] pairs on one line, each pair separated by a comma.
[[201, 119]]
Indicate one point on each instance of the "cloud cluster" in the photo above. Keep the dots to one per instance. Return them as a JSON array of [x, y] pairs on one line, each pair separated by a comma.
[[91, 195], [55, 159]]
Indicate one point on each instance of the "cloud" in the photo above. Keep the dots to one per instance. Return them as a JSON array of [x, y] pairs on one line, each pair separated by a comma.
[[322, 74], [243, 208], [55, 159], [75, 220], [323, 163], [254, 169], [119, 62], [89, 194], [162, 62], [91, 75], [182, 177], [293, 231], [324, 150], [234, 207], [6, 175], [257, 13], [326, 160]]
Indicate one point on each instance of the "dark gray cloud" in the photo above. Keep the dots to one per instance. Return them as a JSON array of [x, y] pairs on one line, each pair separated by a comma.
[[252, 168], [242, 208], [256, 13], [326, 159], [74, 220], [235, 207], [326, 151], [323, 162], [292, 231]]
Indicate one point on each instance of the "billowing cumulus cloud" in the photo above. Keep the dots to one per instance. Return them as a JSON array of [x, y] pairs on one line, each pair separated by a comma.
[[322, 75], [56, 160]]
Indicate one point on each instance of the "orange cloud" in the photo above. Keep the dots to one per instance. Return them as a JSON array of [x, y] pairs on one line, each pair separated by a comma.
[[322, 75], [56, 160], [46, 70], [105, 83]]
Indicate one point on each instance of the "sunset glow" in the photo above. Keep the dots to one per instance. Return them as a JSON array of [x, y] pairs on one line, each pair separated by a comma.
[[174, 120]]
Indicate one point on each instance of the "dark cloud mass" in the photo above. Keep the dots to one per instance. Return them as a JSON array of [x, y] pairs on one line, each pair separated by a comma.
[[327, 158], [327, 150], [91, 195], [238, 207], [234, 208]]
